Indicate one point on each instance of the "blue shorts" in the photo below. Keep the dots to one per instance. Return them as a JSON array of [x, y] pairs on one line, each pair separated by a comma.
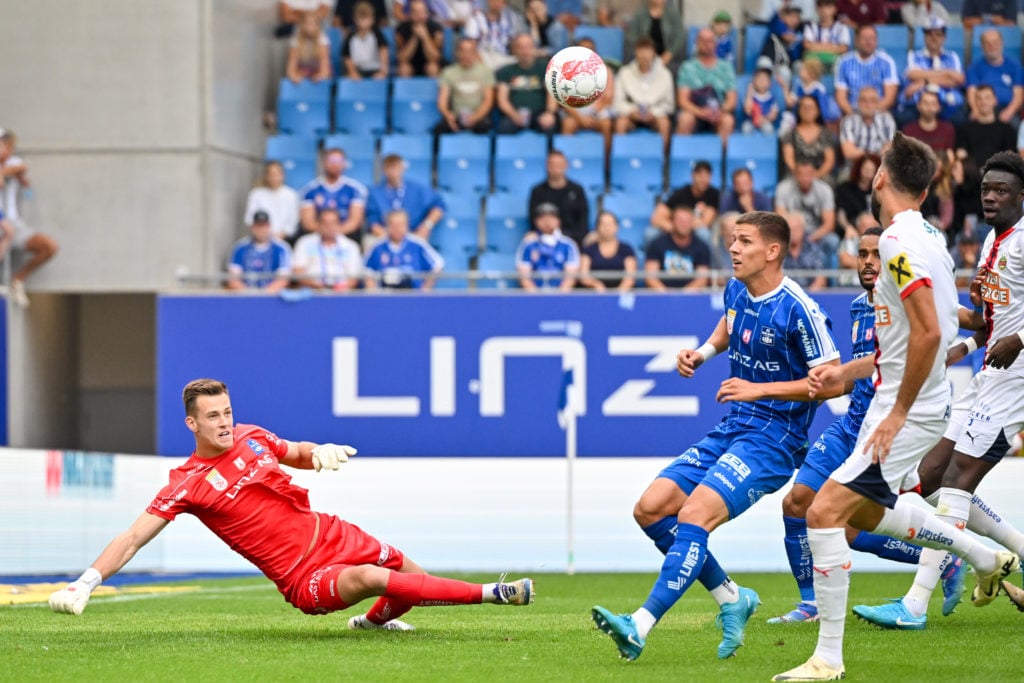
[[741, 464], [830, 451]]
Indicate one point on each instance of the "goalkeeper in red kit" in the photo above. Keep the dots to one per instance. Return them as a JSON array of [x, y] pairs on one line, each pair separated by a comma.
[[234, 484]]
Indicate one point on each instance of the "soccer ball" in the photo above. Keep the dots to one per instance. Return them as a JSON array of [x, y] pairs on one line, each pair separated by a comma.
[[576, 77]]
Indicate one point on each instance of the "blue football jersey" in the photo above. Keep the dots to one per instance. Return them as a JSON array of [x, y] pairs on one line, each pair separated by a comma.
[[342, 195], [862, 317], [776, 337], [397, 264]]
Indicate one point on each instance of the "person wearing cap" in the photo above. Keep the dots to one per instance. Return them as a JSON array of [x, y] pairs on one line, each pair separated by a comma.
[[260, 261], [866, 65], [996, 12], [936, 68], [785, 44], [855, 13], [548, 252], [423, 206], [1000, 72], [706, 91], [725, 36], [568, 196], [827, 38], [916, 13]]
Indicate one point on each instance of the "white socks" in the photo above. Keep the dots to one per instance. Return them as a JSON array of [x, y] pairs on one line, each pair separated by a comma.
[[726, 592], [644, 621], [984, 521], [831, 587]]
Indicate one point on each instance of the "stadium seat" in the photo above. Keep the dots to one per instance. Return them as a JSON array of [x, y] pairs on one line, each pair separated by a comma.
[[691, 42], [418, 152], [361, 152], [360, 107], [459, 230], [519, 162], [585, 153], [497, 262], [754, 36], [389, 38], [505, 222], [464, 163], [304, 108], [448, 45], [414, 105], [297, 155], [634, 213], [609, 40], [687, 150], [637, 162], [1011, 42], [336, 38], [757, 153], [454, 262], [894, 39]]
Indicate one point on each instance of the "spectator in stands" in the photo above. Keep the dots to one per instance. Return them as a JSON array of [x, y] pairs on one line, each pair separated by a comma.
[[599, 116], [706, 91], [804, 255], [333, 190], [465, 94], [853, 196], [721, 26], [494, 28], [851, 244], [572, 13], [309, 52], [290, 13], [548, 33], [548, 252], [277, 200], [857, 13], [700, 196], [678, 252], [760, 105], [663, 24], [423, 207], [644, 94], [826, 39], [965, 258], [365, 52], [809, 141], [568, 197], [402, 260], [808, 82], [616, 13], [721, 259], [41, 248], [976, 140], [928, 127], [743, 197], [1002, 74], [866, 130], [418, 43], [815, 201], [997, 12], [522, 98], [453, 13], [866, 65], [785, 44], [261, 260], [916, 13], [326, 259], [938, 68], [938, 206], [608, 253], [344, 13]]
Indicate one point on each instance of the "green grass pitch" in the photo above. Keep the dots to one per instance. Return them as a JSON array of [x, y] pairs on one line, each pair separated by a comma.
[[242, 630]]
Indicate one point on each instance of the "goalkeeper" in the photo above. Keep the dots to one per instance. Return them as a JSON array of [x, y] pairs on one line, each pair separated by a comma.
[[233, 483]]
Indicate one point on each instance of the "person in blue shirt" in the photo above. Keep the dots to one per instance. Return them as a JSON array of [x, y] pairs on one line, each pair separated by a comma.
[[424, 207], [402, 260], [261, 260], [548, 251], [773, 333], [1004, 74], [334, 190]]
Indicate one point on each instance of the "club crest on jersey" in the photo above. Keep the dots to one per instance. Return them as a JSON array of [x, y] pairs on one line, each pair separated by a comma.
[[856, 326], [899, 266], [747, 334], [869, 334], [256, 447], [1002, 262], [768, 336], [217, 480], [239, 464], [730, 318]]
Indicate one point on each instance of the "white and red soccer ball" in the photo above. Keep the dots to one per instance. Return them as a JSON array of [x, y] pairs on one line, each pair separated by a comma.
[[576, 77]]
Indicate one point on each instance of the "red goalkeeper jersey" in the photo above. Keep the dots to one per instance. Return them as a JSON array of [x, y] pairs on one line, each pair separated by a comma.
[[246, 500]]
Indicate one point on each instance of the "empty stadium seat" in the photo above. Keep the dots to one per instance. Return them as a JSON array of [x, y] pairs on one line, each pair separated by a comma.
[[464, 163], [414, 105], [637, 162], [459, 231], [585, 153], [505, 222], [360, 151], [687, 150], [608, 40], [336, 38], [454, 262], [519, 162], [497, 262], [754, 36], [634, 213], [894, 39], [418, 152], [304, 108], [360, 107], [297, 155], [757, 153]]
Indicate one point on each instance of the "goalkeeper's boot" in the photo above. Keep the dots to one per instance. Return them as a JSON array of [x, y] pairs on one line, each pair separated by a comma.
[[805, 613], [814, 669], [733, 618], [360, 622], [894, 614], [953, 585], [514, 593], [622, 630], [988, 584]]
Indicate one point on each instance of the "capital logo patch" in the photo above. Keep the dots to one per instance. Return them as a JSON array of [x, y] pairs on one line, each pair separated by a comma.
[[899, 266]]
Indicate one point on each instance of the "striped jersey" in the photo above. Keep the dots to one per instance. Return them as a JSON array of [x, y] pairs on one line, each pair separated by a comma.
[[775, 337], [853, 73], [1002, 259], [836, 34], [945, 60], [862, 319]]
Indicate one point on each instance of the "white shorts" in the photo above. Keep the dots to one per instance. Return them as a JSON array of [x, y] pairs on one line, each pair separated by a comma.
[[987, 415], [882, 482], [22, 233]]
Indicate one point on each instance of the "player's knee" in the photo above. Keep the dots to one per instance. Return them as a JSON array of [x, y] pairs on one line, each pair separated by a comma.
[[796, 503], [362, 580]]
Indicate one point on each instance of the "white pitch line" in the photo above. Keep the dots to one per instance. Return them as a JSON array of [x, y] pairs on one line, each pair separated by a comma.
[[149, 596]]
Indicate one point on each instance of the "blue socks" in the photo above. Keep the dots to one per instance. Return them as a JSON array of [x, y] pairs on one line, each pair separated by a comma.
[[663, 533], [886, 547], [683, 564], [798, 550]]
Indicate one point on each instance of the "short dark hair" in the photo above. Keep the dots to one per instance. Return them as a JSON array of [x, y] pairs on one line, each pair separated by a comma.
[[910, 165], [644, 41], [864, 27], [702, 165], [1010, 162], [200, 387], [739, 171], [873, 231], [984, 86], [326, 210], [771, 226]]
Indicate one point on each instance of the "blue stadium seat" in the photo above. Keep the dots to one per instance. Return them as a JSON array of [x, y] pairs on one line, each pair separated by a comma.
[[298, 172], [585, 152], [1011, 41], [691, 42], [687, 150], [757, 153], [505, 222], [336, 38], [448, 45], [955, 40], [742, 81], [637, 162], [497, 262], [634, 213], [464, 163], [304, 108], [454, 262], [361, 152], [389, 37], [414, 105], [459, 231], [609, 40], [360, 107], [753, 42], [519, 162], [418, 152], [893, 38], [297, 154]]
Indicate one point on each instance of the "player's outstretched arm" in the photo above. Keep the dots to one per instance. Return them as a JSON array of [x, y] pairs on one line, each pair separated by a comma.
[[73, 598], [736, 389], [306, 455], [830, 380], [688, 360]]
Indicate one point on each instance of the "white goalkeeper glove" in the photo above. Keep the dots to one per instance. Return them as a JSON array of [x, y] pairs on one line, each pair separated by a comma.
[[329, 456], [72, 598]]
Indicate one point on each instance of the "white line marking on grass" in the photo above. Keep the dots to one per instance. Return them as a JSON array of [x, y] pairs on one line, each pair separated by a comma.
[[201, 592]]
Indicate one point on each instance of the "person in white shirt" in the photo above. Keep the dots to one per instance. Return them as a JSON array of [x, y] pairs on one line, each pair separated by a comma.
[[644, 93], [279, 201], [326, 259]]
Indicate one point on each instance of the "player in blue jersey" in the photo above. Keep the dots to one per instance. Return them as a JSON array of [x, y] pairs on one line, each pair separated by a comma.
[[774, 333]]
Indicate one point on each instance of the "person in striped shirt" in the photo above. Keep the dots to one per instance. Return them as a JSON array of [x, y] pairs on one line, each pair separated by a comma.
[[936, 67], [866, 130], [866, 65], [827, 38]]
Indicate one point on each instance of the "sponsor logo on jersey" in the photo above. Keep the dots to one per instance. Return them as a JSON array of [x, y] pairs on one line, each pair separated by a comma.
[[385, 553], [806, 340], [747, 334], [768, 336], [217, 480], [756, 363], [734, 463], [992, 292], [239, 463], [899, 266], [730, 318], [255, 446], [882, 317]]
